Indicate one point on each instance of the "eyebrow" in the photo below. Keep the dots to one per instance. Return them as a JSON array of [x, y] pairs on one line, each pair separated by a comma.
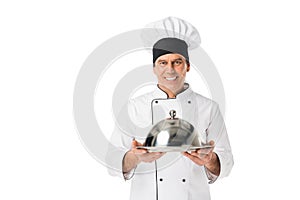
[[160, 60], [177, 59]]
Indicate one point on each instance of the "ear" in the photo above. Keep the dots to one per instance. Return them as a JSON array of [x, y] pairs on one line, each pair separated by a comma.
[[188, 68]]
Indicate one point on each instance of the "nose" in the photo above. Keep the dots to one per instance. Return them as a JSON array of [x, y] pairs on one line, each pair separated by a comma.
[[170, 67]]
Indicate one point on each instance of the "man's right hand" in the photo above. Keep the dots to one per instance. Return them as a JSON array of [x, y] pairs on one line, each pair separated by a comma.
[[135, 156], [143, 155]]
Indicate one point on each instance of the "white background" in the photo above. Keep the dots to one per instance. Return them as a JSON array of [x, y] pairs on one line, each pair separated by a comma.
[[254, 45]]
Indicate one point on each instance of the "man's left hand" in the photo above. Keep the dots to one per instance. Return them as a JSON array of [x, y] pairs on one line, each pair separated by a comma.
[[205, 157]]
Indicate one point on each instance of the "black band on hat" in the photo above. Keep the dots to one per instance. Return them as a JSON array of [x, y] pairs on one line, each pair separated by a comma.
[[170, 45]]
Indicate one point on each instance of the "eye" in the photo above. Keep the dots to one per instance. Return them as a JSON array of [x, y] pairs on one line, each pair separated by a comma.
[[162, 63], [178, 62]]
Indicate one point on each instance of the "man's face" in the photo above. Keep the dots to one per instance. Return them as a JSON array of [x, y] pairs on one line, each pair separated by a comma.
[[170, 70]]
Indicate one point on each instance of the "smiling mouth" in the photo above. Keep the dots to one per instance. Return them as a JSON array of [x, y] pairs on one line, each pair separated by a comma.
[[171, 78]]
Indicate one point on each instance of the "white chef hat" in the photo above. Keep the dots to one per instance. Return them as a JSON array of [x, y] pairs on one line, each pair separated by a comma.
[[170, 30]]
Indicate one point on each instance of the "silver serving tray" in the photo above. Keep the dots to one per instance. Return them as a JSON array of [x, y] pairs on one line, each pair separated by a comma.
[[174, 148]]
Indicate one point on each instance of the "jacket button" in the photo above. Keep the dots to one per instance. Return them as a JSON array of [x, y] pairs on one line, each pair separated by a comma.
[[160, 179], [189, 102], [183, 180]]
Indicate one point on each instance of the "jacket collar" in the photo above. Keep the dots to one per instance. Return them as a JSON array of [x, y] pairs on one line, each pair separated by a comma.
[[160, 94]]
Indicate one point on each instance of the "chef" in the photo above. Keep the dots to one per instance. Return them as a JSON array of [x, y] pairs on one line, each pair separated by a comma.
[[174, 175]]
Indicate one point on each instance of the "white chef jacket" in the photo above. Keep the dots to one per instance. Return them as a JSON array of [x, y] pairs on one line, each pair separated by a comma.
[[173, 176]]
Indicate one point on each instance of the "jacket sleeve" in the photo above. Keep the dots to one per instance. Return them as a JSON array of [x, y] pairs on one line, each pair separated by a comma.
[[134, 122], [120, 143], [216, 131]]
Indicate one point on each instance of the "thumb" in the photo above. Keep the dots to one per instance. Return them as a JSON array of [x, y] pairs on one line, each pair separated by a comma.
[[134, 143]]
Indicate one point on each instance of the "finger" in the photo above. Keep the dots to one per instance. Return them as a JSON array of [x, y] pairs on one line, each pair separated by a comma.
[[190, 155], [198, 154], [204, 157], [205, 150], [152, 154], [212, 143], [195, 159], [194, 153], [140, 151], [150, 157], [139, 144], [156, 154], [187, 154], [184, 153], [133, 143]]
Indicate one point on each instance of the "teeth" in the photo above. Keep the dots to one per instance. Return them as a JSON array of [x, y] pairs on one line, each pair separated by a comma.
[[171, 79]]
